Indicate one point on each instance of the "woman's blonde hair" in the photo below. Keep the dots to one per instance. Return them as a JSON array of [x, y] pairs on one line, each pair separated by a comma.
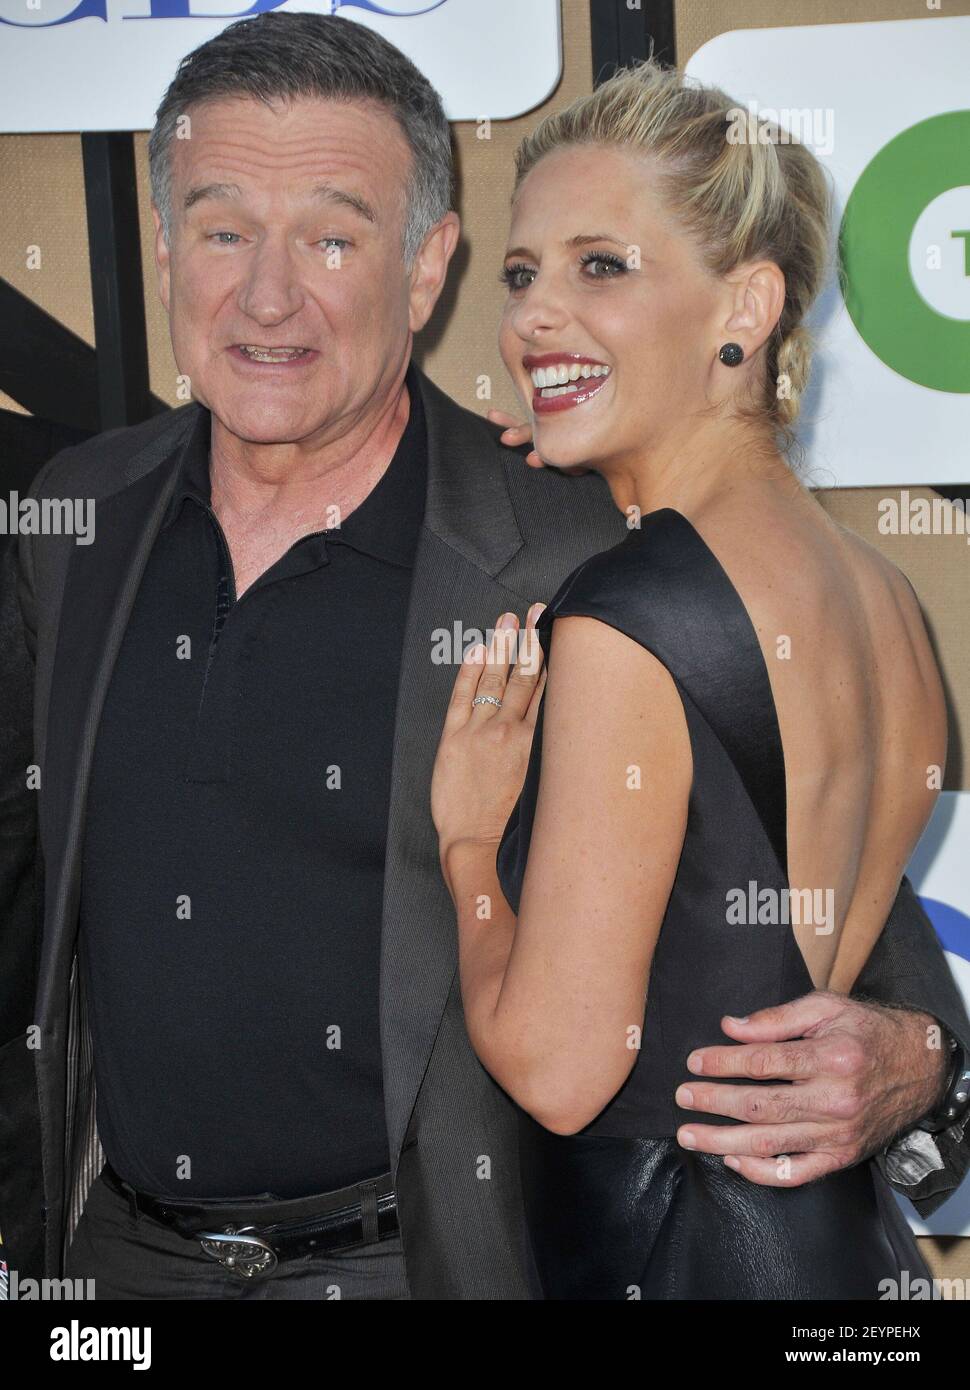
[[757, 197]]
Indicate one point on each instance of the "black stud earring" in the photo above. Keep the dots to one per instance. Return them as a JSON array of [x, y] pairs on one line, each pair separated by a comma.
[[731, 354]]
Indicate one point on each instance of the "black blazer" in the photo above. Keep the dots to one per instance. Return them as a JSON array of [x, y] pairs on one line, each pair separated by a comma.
[[496, 535]]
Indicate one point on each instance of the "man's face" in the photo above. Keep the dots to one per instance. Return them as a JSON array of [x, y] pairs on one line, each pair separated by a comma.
[[306, 254]]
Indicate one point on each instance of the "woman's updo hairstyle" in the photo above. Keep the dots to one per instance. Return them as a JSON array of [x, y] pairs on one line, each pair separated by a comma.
[[740, 199]]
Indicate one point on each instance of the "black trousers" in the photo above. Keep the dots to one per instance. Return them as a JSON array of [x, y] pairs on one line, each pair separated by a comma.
[[136, 1257]]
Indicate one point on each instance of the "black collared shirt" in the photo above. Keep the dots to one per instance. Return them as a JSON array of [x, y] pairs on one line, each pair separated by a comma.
[[233, 863]]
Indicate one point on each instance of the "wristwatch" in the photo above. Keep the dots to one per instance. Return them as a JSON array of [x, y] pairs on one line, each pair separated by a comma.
[[955, 1104]]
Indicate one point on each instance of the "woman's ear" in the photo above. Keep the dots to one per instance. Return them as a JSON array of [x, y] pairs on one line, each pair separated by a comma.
[[757, 299]]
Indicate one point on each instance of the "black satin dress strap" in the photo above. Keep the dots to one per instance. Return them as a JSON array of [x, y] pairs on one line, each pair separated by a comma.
[[621, 1210], [690, 616]]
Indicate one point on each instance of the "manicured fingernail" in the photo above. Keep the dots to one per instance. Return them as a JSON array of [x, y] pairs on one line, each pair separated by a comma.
[[687, 1139], [684, 1096], [507, 620], [695, 1062], [732, 1162]]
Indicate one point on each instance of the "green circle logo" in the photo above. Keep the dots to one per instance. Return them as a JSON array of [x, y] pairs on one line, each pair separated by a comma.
[[893, 317]]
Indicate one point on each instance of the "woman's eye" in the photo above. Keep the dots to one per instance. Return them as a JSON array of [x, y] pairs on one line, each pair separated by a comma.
[[513, 276], [607, 266]]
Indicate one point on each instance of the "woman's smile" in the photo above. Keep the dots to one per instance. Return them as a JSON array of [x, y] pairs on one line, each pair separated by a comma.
[[564, 380]]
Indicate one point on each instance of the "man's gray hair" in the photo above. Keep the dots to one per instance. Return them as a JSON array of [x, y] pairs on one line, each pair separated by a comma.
[[287, 56]]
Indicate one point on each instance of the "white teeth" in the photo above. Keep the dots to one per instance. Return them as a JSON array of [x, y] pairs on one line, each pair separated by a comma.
[[544, 378], [261, 354]]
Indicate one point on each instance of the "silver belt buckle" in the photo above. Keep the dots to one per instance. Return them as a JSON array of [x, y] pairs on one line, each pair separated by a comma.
[[241, 1252]]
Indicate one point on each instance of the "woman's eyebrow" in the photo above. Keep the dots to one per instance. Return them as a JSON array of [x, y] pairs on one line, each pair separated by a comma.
[[587, 239], [582, 239]]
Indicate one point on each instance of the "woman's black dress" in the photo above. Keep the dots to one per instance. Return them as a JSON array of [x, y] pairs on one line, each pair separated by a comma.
[[621, 1210]]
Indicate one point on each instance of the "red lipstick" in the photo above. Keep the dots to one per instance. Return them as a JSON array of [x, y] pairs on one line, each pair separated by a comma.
[[568, 395]]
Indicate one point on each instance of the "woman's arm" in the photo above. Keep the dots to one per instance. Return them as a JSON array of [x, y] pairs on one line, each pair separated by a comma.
[[554, 1002]]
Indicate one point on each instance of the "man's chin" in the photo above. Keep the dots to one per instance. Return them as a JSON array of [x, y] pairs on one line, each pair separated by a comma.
[[263, 420]]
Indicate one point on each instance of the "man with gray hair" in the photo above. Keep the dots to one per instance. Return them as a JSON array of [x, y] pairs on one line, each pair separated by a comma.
[[253, 1074]]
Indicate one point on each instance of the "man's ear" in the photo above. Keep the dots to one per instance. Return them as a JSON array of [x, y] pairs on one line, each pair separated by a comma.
[[431, 268], [162, 259], [758, 297]]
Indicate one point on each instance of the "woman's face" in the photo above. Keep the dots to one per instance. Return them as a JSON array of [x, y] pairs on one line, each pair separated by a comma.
[[607, 291]]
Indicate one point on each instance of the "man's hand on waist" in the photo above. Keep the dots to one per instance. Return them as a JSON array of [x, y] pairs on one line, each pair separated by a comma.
[[859, 1074]]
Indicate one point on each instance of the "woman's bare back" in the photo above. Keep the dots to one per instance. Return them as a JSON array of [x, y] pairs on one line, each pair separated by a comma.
[[860, 708]]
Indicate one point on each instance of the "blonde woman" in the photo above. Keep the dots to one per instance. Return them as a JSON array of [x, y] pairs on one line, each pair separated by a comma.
[[737, 713]]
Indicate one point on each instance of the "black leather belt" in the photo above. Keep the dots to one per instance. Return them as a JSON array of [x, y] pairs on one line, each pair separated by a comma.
[[249, 1238]]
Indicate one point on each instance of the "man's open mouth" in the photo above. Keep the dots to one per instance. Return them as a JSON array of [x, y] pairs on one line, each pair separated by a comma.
[[255, 352]]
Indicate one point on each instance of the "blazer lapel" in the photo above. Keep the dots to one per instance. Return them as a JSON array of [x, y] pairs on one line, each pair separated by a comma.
[[468, 536], [102, 581]]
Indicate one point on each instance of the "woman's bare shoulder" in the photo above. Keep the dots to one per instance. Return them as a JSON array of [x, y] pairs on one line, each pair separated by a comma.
[[799, 550], [872, 562]]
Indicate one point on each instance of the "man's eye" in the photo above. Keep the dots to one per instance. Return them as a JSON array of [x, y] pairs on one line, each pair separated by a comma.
[[341, 242], [513, 277]]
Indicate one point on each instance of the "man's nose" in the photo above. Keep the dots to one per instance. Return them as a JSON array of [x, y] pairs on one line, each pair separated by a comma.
[[271, 290]]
